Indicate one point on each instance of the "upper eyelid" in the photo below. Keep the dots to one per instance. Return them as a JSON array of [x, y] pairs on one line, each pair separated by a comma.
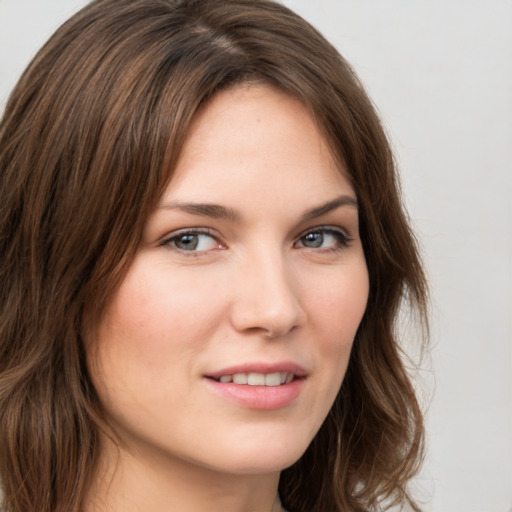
[[166, 241], [344, 238], [326, 228], [190, 231]]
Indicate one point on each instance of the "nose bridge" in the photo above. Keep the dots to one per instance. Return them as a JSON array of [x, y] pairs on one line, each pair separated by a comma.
[[268, 296]]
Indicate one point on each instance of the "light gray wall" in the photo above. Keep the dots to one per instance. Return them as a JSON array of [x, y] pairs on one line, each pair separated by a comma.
[[440, 72]]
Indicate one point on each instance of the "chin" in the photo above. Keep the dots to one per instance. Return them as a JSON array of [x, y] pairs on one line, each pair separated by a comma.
[[274, 455]]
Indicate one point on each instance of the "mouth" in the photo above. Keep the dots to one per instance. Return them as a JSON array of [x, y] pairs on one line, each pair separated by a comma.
[[273, 379], [259, 386]]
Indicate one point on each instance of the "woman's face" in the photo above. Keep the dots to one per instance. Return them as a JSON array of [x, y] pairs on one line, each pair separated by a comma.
[[229, 337]]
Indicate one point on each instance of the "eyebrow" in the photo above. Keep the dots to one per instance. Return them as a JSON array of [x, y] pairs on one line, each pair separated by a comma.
[[217, 211], [318, 211]]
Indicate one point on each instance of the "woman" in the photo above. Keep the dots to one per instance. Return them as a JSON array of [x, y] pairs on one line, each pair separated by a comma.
[[203, 256]]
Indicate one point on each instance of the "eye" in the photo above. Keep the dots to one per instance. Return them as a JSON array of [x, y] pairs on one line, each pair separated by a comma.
[[192, 241], [324, 238]]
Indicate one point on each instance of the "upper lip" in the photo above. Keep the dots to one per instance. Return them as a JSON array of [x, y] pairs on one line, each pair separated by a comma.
[[259, 367]]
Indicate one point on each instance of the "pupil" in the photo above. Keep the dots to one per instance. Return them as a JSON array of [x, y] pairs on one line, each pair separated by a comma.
[[187, 242], [314, 239]]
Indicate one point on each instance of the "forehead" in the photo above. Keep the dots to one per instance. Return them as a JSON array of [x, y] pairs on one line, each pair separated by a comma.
[[255, 139]]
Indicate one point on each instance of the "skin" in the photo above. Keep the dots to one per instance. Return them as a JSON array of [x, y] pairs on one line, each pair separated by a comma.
[[265, 283]]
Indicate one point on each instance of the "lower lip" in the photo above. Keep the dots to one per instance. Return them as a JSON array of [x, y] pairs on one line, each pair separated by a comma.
[[258, 397]]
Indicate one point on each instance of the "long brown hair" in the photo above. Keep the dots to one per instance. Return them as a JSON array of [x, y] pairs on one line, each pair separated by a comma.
[[88, 141]]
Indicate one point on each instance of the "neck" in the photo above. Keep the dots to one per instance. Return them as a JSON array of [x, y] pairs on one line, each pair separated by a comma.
[[128, 482]]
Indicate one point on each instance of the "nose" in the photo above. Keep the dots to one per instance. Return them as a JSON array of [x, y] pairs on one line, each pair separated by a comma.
[[267, 300]]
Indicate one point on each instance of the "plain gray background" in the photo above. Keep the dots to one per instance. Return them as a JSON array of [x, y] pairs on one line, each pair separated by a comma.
[[440, 73]]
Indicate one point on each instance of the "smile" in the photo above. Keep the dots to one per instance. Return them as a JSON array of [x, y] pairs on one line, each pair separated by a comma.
[[258, 379], [263, 386]]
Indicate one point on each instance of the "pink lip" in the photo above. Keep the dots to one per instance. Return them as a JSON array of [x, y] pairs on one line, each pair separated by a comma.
[[259, 397]]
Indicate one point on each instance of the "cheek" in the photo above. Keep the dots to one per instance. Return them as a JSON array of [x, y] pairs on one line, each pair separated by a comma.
[[339, 304], [336, 312], [149, 333], [156, 311]]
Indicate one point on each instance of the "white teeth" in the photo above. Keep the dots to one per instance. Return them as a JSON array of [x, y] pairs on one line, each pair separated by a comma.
[[258, 379], [240, 378], [273, 379]]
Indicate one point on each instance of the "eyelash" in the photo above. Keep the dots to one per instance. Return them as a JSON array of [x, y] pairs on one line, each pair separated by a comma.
[[171, 241], [342, 239]]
